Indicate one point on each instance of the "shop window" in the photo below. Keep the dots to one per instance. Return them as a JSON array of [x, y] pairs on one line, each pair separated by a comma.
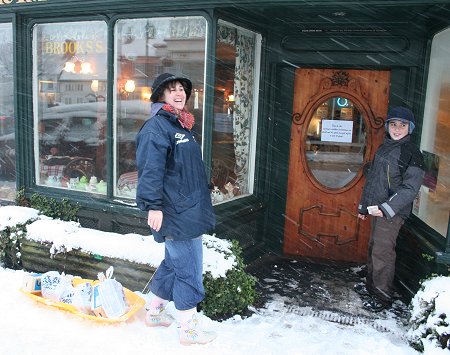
[[433, 203], [235, 111], [69, 62], [145, 48], [7, 131]]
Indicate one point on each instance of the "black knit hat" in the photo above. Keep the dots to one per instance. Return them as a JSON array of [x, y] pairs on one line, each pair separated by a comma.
[[160, 82]]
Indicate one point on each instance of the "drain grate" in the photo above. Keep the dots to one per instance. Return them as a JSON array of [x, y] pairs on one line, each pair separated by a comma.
[[344, 319]]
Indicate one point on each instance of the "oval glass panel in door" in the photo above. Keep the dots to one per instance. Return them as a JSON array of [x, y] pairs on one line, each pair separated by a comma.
[[335, 142]]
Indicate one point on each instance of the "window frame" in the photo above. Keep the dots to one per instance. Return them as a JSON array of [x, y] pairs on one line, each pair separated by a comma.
[[74, 87], [114, 119], [433, 84], [251, 173], [11, 195]]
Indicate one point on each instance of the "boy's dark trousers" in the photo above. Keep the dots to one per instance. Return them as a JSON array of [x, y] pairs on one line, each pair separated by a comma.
[[381, 259]]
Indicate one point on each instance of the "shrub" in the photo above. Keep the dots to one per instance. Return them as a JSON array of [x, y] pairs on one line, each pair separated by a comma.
[[226, 296], [10, 237], [430, 315], [49, 207], [10, 241], [21, 199]]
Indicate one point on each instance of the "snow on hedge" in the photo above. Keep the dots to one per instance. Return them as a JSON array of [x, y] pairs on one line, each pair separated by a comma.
[[13, 215], [430, 315]]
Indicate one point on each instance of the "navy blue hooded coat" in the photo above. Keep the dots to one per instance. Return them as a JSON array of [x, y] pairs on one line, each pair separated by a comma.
[[172, 178]]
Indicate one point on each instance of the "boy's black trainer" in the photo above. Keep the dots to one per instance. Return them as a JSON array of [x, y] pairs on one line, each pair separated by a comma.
[[374, 304], [360, 289]]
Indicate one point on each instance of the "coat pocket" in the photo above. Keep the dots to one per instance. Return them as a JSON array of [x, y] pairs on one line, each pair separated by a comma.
[[184, 202]]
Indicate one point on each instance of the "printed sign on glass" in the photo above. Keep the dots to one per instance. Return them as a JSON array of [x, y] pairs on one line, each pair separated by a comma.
[[337, 131]]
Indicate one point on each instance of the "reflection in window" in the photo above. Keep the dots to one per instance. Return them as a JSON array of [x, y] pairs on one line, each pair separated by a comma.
[[7, 136], [69, 82], [235, 111], [433, 203], [335, 142], [146, 48]]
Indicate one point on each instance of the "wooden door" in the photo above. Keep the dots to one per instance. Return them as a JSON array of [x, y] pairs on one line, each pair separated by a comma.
[[336, 127]]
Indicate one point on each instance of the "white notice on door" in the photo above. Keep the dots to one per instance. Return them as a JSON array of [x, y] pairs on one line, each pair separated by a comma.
[[337, 131]]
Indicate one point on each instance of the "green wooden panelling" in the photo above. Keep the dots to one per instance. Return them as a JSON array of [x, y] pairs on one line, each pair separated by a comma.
[[279, 164], [412, 264]]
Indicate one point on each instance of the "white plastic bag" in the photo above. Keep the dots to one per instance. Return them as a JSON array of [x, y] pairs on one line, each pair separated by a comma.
[[108, 298], [59, 288], [54, 285], [79, 297]]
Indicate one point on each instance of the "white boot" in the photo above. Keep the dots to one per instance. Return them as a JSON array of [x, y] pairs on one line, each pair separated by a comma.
[[190, 330], [156, 314]]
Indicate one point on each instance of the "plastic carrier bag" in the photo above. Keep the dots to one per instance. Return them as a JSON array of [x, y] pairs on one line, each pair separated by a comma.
[[54, 285], [108, 297], [79, 296], [59, 288]]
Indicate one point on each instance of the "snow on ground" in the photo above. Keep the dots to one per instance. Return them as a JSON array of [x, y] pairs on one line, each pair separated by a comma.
[[31, 328]]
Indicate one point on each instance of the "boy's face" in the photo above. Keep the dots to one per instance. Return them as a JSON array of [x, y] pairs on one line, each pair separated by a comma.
[[398, 129]]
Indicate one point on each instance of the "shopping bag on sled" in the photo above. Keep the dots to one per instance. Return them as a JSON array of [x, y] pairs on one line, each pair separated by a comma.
[[112, 303], [108, 299]]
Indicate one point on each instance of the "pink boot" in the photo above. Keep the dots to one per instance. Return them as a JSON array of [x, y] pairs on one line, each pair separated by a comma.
[[190, 330], [156, 315]]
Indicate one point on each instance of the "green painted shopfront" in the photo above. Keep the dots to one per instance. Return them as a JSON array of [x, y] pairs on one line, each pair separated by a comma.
[[289, 98]]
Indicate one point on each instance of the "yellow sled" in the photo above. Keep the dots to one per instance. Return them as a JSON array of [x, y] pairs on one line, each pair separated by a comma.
[[135, 303]]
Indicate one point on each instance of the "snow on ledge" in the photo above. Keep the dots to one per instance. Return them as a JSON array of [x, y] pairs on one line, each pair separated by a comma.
[[66, 236]]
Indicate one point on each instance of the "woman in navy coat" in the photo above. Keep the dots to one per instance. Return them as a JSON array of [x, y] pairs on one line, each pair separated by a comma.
[[173, 188]]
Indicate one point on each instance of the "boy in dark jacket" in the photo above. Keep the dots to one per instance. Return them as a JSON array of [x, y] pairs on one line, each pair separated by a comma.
[[392, 183], [173, 188]]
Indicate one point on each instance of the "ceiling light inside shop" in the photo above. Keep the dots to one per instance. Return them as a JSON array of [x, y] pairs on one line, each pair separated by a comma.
[[76, 65]]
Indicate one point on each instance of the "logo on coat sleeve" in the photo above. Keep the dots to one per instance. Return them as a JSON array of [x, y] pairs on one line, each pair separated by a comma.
[[180, 138]]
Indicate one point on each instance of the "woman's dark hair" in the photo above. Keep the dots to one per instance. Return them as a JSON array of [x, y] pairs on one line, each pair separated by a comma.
[[168, 80], [170, 85]]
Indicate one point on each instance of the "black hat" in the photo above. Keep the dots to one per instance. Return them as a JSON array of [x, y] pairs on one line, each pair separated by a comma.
[[161, 80], [401, 114]]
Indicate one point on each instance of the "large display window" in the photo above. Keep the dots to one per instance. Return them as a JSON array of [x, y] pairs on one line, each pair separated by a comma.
[[70, 99], [145, 48], [69, 87], [235, 111], [433, 203], [7, 130]]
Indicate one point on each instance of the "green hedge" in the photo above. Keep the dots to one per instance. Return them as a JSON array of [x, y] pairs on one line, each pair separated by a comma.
[[10, 253], [230, 295]]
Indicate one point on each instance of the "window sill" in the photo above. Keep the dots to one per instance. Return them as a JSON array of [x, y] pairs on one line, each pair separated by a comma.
[[238, 207]]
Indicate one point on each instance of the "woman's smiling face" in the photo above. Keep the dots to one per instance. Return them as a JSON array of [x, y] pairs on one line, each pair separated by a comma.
[[398, 129], [175, 95]]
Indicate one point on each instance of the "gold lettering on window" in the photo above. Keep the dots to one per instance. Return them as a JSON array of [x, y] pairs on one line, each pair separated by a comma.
[[71, 47]]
